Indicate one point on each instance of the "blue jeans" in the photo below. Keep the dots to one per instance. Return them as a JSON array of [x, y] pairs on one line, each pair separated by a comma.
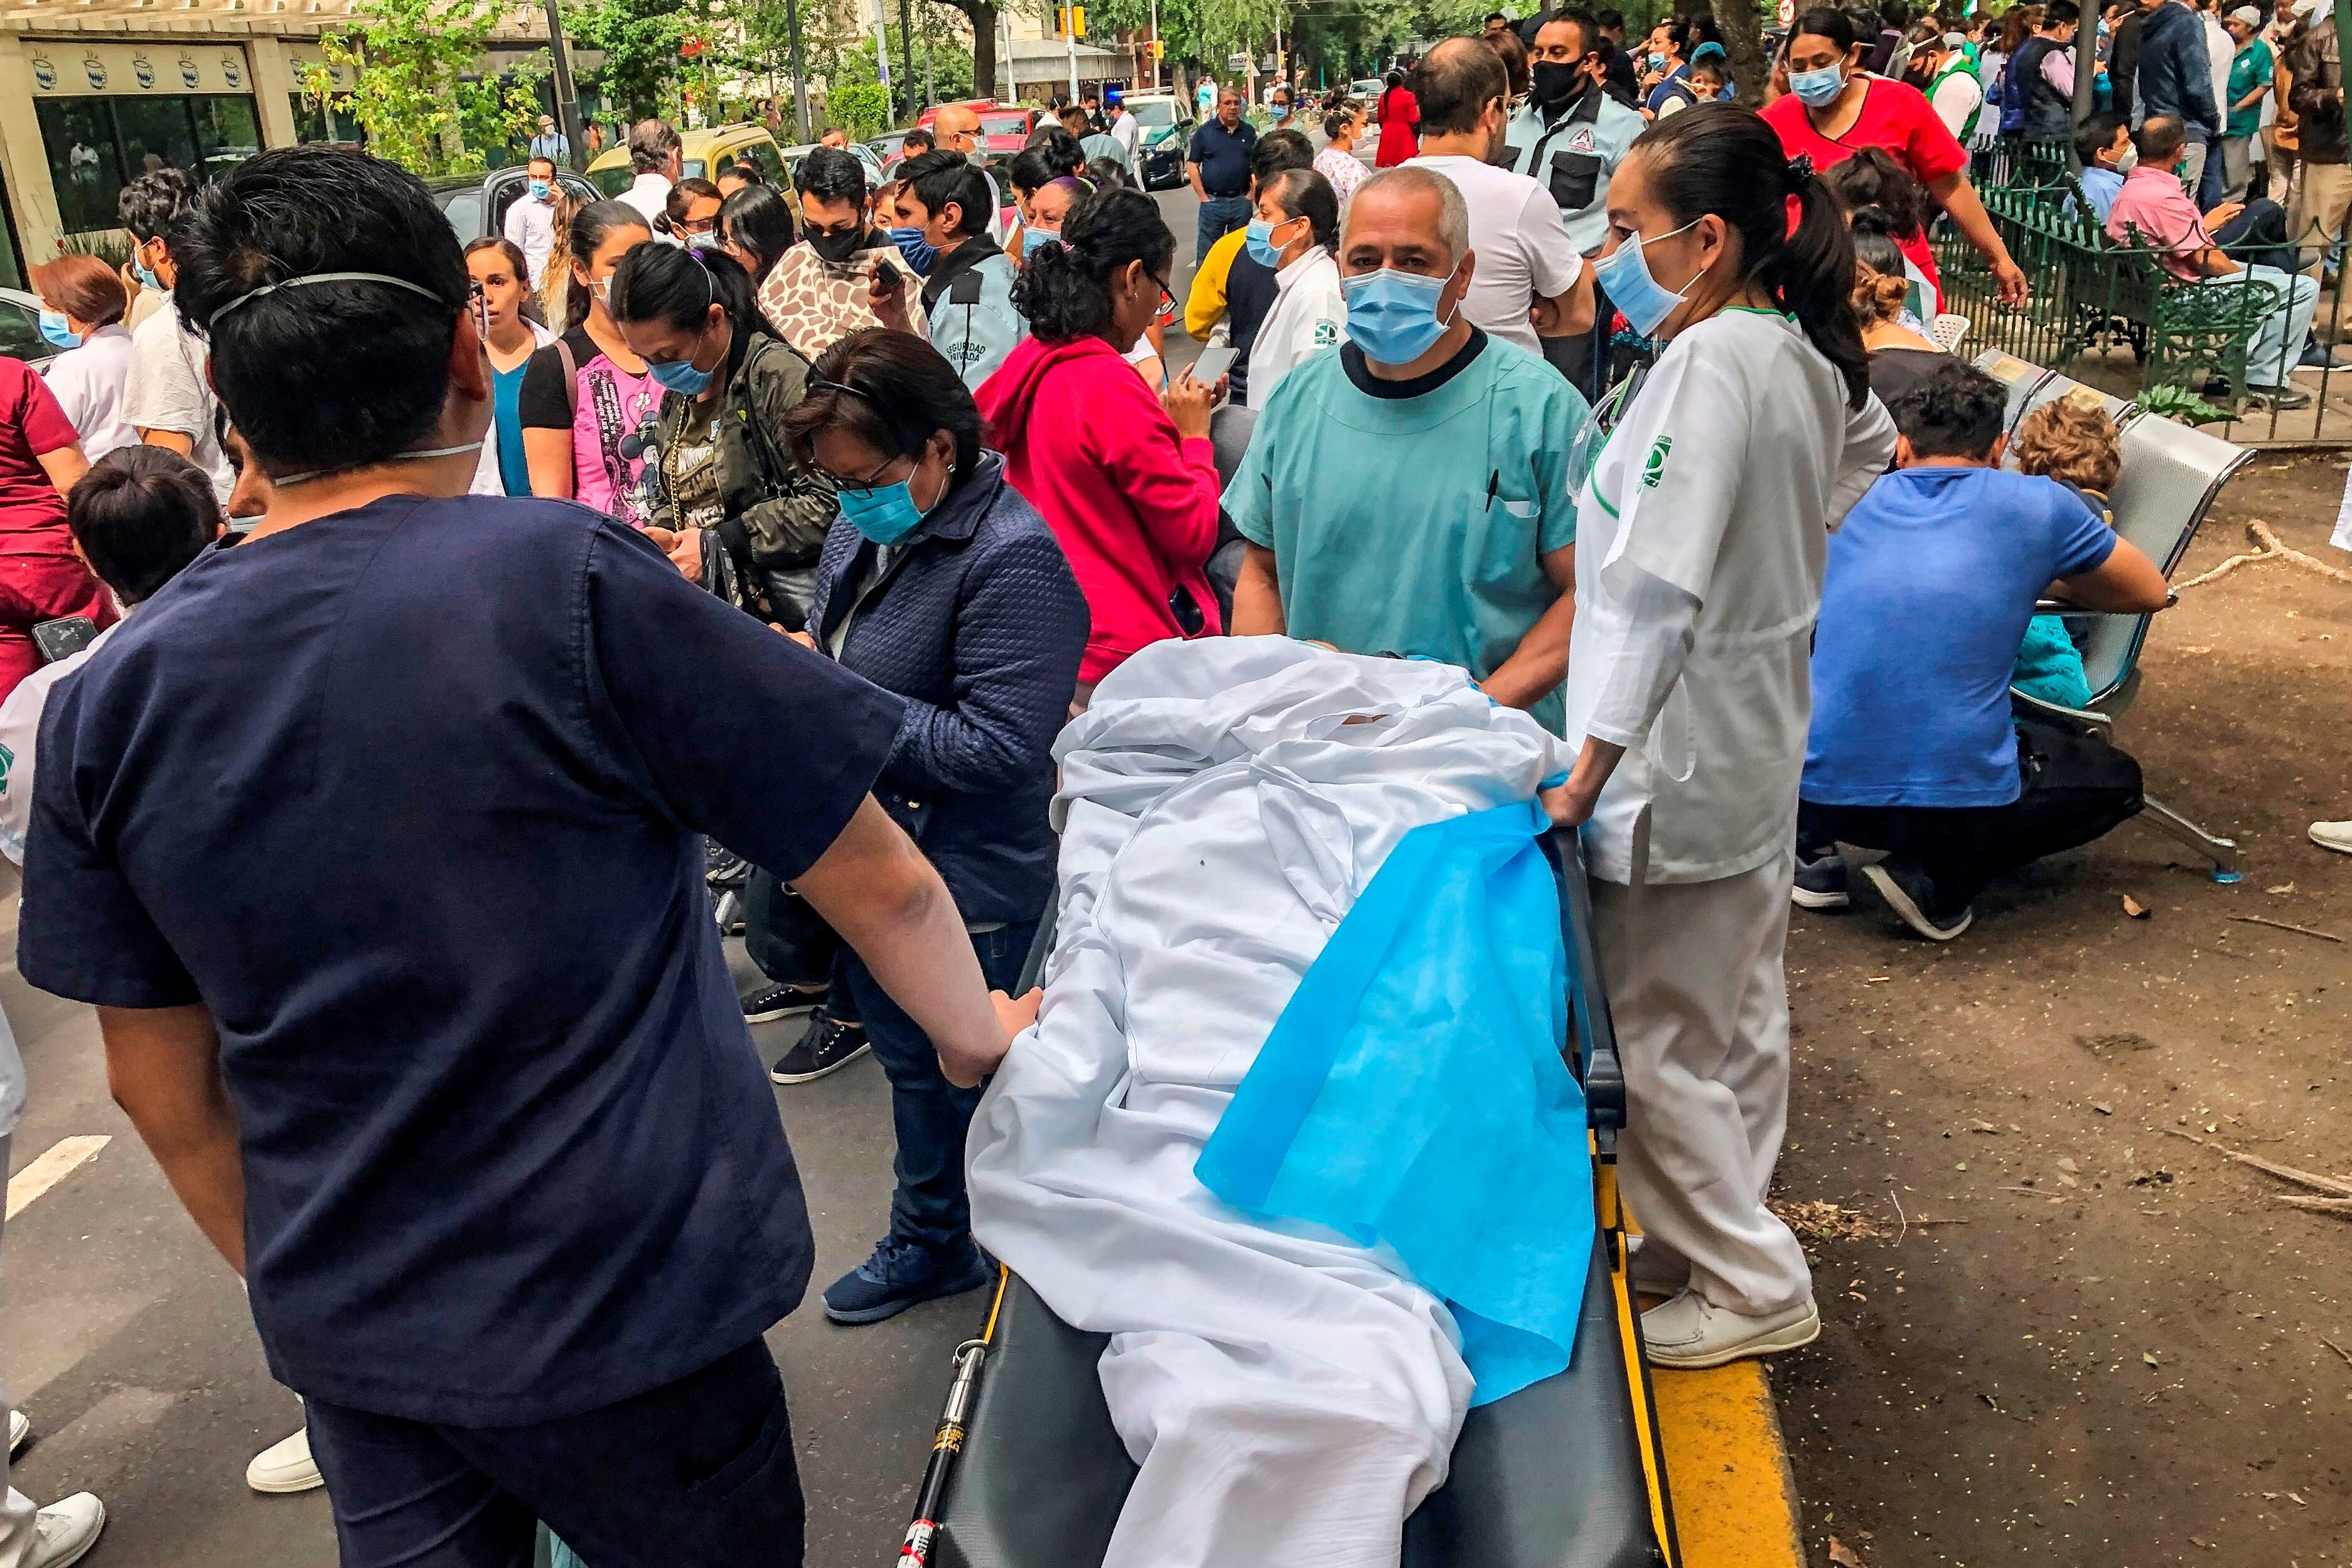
[[1220, 215], [928, 1114], [2279, 340]]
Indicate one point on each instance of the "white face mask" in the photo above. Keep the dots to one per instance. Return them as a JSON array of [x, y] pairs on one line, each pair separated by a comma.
[[2129, 161]]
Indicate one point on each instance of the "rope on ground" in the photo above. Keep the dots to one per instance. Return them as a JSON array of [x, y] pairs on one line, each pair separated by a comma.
[[2269, 548]]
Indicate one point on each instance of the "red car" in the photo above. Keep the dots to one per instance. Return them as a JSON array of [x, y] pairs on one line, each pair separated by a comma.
[[1003, 131]]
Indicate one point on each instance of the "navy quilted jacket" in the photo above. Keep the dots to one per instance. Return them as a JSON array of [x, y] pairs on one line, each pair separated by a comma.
[[978, 624]]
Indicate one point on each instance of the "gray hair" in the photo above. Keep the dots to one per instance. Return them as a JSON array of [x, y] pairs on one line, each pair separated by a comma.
[[1453, 211], [651, 142]]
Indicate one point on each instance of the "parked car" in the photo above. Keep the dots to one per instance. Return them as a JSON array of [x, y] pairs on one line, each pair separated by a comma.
[[1004, 129], [857, 150], [1368, 89], [889, 150], [1164, 122], [476, 206], [20, 329], [701, 155]]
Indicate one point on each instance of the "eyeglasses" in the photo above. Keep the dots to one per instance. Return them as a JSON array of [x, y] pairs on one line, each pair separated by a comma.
[[696, 225]]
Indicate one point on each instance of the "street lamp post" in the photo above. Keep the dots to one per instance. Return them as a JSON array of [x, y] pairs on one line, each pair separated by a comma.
[[567, 100], [799, 68]]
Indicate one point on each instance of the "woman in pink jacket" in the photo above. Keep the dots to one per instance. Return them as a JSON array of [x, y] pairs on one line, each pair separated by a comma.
[[1126, 476]]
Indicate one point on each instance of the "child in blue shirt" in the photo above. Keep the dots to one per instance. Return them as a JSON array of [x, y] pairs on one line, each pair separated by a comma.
[[2071, 440]]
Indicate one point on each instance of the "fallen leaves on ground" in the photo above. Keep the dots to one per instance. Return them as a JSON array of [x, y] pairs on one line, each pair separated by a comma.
[[2134, 907], [1842, 1555], [1822, 1220]]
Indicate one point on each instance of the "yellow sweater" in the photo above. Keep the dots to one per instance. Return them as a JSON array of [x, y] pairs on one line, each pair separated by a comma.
[[1207, 304]]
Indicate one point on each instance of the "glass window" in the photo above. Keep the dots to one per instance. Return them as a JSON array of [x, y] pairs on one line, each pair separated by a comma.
[[314, 121], [20, 335], [1153, 111], [227, 131], [763, 156], [464, 210], [613, 181], [84, 165], [156, 133]]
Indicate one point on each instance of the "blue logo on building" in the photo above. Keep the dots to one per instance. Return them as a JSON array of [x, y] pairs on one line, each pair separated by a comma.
[[95, 69], [45, 75], [232, 71], [144, 71], [188, 77]]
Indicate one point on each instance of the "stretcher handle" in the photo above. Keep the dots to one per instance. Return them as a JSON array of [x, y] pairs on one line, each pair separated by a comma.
[[1588, 997]]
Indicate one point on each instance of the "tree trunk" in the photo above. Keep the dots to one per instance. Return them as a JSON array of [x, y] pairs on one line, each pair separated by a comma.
[[981, 14], [1743, 40]]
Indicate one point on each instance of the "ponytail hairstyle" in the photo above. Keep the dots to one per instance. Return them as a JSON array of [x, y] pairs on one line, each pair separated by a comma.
[[590, 228], [1064, 289], [1304, 193], [673, 284], [1871, 178], [1880, 283], [1340, 116], [1721, 159]]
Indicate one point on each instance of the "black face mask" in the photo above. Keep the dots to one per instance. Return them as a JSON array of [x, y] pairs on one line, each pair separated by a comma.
[[1555, 83], [836, 248]]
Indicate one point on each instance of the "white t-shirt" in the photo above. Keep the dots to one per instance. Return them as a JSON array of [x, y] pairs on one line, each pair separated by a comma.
[[649, 193], [20, 727], [1309, 314], [1956, 98], [1523, 251], [168, 390], [1719, 485], [1128, 132], [530, 224], [88, 383]]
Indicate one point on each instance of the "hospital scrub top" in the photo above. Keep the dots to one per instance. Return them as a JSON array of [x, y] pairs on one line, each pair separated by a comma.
[[1408, 517], [411, 798]]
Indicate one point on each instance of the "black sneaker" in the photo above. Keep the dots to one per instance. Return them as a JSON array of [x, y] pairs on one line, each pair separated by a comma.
[[2280, 397], [829, 1046], [899, 1275], [770, 1002], [1820, 882], [1909, 893]]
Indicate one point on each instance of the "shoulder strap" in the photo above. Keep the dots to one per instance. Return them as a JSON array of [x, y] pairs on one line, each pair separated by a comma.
[[571, 375]]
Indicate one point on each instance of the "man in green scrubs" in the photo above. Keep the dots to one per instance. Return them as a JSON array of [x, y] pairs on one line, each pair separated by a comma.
[[1407, 491]]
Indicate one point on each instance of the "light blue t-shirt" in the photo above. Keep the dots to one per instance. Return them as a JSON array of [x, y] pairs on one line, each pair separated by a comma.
[[1414, 524], [1929, 588], [2100, 187]]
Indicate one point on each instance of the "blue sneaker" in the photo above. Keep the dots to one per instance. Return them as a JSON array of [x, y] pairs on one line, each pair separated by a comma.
[[902, 1274]]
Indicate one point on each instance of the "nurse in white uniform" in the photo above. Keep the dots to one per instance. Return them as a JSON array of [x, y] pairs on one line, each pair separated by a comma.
[[1293, 234], [1701, 534]]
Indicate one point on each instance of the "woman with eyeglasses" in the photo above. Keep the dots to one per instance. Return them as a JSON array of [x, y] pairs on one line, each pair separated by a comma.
[[940, 584], [690, 217], [747, 517], [587, 398], [1128, 478]]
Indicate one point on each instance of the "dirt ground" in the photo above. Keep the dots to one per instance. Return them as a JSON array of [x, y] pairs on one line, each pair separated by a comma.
[[2083, 1339]]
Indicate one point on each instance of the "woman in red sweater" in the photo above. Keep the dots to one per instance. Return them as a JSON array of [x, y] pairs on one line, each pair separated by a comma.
[[1127, 479], [1399, 117]]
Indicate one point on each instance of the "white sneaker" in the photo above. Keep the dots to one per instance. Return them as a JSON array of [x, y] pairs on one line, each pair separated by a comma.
[[20, 1427], [64, 1531], [285, 1466], [2336, 835], [1690, 1333]]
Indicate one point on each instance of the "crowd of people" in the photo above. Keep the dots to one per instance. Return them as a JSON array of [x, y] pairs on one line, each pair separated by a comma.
[[717, 536]]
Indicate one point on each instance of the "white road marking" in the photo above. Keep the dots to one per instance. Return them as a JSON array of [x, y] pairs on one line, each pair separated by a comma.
[[54, 1167]]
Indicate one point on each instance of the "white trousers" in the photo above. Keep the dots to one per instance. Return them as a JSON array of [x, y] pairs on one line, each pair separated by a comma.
[[16, 1510], [1701, 1005]]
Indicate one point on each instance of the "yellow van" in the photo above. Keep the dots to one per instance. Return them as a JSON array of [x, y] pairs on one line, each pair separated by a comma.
[[702, 152]]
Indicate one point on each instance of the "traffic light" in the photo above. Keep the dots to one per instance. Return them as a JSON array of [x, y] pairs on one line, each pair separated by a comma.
[[1159, 51], [1071, 20]]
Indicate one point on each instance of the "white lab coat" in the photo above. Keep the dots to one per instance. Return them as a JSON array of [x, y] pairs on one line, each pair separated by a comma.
[[1290, 1395], [1309, 314], [1702, 535]]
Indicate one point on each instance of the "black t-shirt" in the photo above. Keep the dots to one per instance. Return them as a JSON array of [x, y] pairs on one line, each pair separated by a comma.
[[1249, 295], [409, 797], [1351, 360]]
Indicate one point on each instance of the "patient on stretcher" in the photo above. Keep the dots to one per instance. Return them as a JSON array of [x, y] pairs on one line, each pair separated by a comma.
[[1291, 1391]]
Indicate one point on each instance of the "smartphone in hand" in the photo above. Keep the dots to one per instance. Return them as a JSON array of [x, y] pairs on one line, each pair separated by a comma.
[[1214, 361]]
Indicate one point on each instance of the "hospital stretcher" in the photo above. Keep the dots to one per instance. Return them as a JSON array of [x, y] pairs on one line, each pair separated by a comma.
[[1028, 1472]]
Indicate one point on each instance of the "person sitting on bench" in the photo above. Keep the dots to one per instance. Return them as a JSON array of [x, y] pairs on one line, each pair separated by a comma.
[[1912, 749], [2153, 204], [2254, 230]]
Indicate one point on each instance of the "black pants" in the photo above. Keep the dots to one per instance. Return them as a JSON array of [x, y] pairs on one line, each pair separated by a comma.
[[786, 939], [2258, 237], [2071, 790], [697, 1473]]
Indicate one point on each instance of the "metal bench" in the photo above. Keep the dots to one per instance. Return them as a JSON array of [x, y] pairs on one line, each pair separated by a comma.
[[2171, 476]]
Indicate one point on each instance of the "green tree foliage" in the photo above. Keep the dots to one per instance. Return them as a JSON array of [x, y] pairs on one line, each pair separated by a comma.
[[640, 40], [413, 68]]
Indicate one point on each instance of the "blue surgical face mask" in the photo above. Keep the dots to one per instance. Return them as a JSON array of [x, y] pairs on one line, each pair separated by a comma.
[[919, 252], [139, 269], [1033, 240], [679, 375], [1258, 240], [54, 328], [1393, 315], [539, 190], [1624, 277], [885, 513], [1818, 89]]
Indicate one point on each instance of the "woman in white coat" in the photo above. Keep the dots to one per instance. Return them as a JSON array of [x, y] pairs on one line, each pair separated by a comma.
[[1295, 232], [82, 302], [1702, 533]]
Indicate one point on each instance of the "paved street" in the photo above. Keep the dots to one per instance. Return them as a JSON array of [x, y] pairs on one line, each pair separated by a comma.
[[127, 1342]]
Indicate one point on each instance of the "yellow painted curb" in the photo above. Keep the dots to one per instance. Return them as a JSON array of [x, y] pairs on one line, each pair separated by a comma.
[[1728, 1468]]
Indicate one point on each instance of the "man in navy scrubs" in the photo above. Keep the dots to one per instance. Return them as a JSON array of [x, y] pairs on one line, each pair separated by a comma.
[[376, 840]]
